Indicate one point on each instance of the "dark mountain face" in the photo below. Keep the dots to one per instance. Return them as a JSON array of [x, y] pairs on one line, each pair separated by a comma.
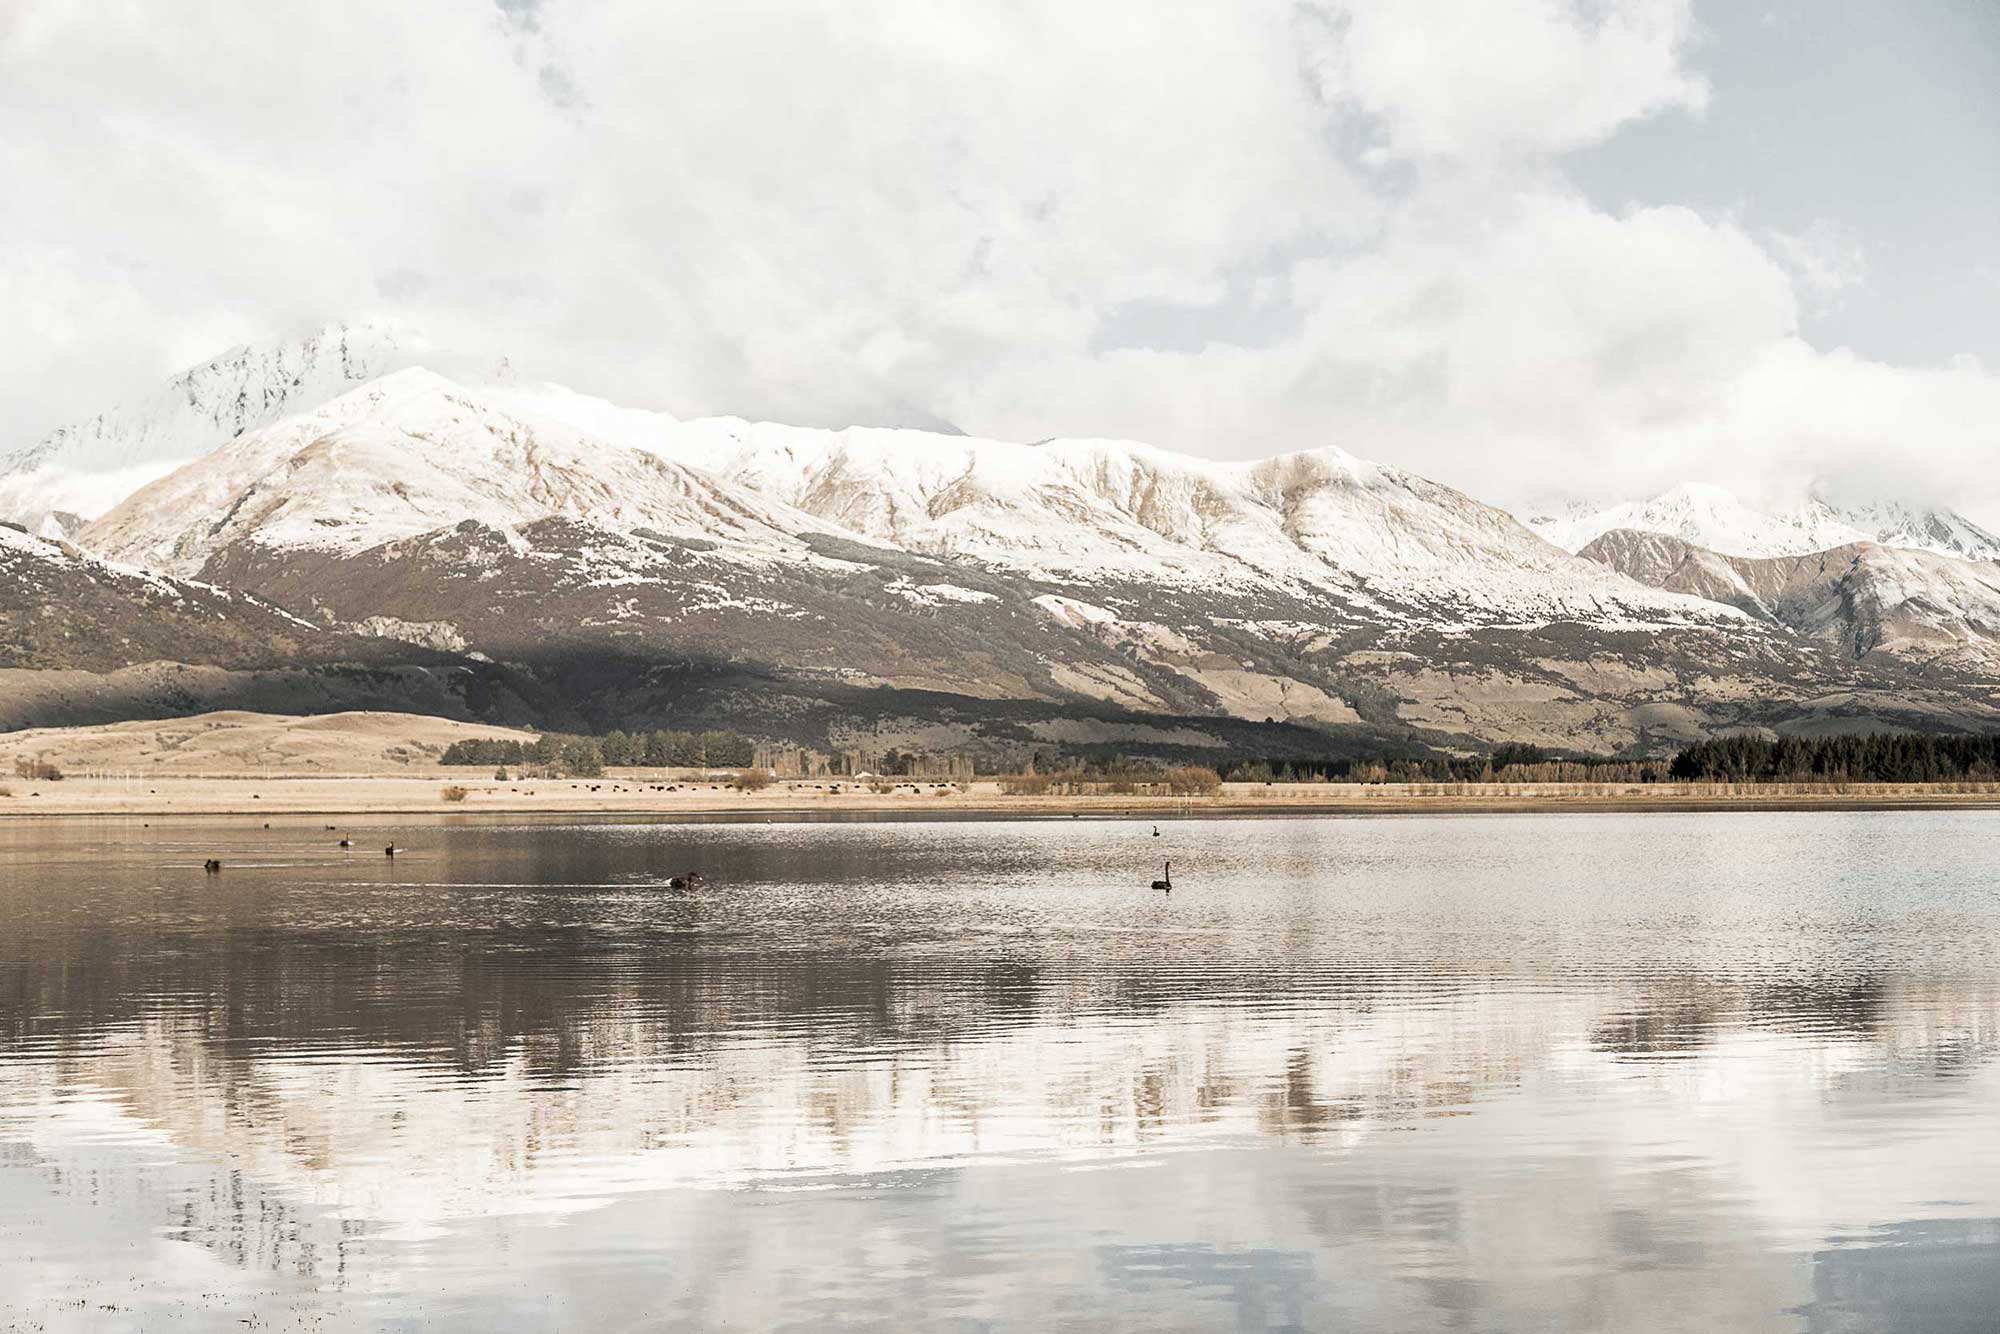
[[859, 644], [85, 640]]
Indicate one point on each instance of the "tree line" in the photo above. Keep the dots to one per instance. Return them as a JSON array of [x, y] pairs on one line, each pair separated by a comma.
[[586, 757], [1874, 758], [1514, 762], [1885, 757]]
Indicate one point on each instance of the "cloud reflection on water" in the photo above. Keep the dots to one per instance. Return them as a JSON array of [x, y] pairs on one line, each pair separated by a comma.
[[905, 1067]]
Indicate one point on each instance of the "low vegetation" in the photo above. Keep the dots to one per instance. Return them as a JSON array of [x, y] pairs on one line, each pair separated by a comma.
[[453, 792], [1193, 781], [1117, 781]]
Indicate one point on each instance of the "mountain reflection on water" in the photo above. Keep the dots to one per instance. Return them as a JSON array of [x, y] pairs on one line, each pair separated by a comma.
[[1648, 1072]]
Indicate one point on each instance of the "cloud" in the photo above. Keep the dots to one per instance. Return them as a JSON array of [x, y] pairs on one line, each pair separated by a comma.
[[1478, 79], [1826, 259], [1232, 228]]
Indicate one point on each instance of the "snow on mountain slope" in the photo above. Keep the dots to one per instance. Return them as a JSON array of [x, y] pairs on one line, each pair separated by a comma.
[[1664, 561], [413, 452], [1863, 597], [1101, 510], [1711, 517], [1877, 597], [89, 466], [1918, 528]]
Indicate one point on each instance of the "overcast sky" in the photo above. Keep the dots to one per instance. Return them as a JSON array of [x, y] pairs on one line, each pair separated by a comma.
[[1529, 247]]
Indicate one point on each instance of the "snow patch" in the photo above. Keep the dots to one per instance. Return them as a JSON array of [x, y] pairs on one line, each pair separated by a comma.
[[1075, 614], [931, 595], [441, 635]]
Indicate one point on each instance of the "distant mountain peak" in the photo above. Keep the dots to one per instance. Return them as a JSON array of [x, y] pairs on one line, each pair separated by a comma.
[[88, 466], [1714, 518]]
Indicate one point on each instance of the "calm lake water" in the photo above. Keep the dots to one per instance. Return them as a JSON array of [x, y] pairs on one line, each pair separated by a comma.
[[1650, 1072]]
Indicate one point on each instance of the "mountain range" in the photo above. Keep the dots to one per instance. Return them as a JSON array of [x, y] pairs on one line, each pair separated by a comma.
[[1714, 518], [333, 518]]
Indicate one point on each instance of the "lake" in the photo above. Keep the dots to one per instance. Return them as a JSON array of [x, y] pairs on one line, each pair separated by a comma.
[[1521, 1072]]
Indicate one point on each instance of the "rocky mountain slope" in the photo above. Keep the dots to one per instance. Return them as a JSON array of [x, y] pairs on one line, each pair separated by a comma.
[[60, 607], [1393, 547], [1863, 598], [84, 639]]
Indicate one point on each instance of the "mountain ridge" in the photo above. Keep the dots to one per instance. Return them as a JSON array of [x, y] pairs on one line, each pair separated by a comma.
[[1865, 597], [1714, 518], [630, 568]]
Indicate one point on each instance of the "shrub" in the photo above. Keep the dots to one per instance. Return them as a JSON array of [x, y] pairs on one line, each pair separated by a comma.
[[1192, 780], [1027, 785], [38, 769], [454, 793], [752, 780]]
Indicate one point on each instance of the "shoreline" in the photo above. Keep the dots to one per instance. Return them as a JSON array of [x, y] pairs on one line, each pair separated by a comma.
[[406, 794]]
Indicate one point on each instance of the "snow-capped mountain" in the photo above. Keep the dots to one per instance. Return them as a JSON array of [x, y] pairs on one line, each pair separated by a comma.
[[1920, 528], [1713, 518], [87, 467], [411, 452], [541, 527], [1104, 510], [1863, 597], [622, 567], [1710, 517]]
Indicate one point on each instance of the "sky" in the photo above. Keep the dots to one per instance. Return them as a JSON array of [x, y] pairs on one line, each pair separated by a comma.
[[1541, 250]]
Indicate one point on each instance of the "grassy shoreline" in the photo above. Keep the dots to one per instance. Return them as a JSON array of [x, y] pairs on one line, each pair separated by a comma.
[[420, 793]]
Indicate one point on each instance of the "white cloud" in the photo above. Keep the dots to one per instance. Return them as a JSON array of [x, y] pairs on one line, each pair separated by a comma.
[[1476, 79], [912, 211]]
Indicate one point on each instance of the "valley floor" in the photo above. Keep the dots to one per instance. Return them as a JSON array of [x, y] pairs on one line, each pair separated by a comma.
[[413, 793]]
